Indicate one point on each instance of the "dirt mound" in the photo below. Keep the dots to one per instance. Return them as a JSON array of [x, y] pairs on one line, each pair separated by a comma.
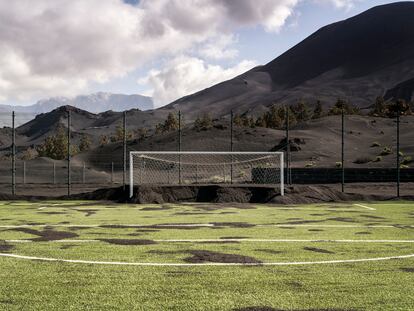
[[297, 194]]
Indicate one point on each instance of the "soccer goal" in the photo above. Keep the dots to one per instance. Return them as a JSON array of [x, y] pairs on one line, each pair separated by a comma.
[[206, 168]]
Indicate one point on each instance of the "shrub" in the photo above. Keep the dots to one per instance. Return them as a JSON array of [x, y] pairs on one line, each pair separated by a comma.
[[406, 160], [29, 154], [338, 164], [404, 166], [386, 151], [376, 144], [377, 159], [310, 164], [362, 160]]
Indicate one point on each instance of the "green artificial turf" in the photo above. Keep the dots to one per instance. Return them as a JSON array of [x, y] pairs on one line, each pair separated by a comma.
[[207, 233]]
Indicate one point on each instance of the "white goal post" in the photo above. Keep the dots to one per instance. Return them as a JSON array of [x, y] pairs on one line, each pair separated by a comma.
[[205, 168]]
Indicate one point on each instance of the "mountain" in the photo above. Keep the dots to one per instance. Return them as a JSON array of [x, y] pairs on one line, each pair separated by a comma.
[[95, 103], [35, 130], [369, 55]]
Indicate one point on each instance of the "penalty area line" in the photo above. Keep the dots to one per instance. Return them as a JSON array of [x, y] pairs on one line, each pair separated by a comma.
[[156, 264]]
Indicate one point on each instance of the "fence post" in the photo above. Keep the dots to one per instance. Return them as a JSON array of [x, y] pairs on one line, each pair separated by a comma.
[[288, 176], [54, 173], [112, 172], [179, 146], [124, 151], [231, 146], [13, 154], [69, 177], [398, 149], [83, 172], [343, 148], [24, 172]]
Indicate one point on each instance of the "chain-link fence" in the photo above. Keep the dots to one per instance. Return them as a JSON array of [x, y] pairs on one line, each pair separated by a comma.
[[331, 149]]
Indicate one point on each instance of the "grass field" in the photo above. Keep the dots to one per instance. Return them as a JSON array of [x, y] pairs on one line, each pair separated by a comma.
[[97, 256]]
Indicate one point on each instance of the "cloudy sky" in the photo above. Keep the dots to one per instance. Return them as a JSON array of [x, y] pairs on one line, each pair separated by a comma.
[[161, 48]]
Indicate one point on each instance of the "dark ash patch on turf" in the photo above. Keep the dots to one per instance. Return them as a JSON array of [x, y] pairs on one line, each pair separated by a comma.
[[67, 246], [202, 256], [5, 247], [315, 230], [342, 219], [233, 224], [411, 270], [53, 213], [162, 208], [128, 241], [88, 212], [46, 234], [161, 252], [301, 222], [372, 216], [317, 250], [268, 251], [192, 213]]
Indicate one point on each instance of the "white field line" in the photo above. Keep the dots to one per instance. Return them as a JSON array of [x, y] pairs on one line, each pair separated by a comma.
[[366, 207], [228, 240], [155, 264], [104, 226]]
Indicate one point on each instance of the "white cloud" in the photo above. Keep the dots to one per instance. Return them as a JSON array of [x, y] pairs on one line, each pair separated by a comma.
[[341, 4], [50, 48], [185, 75], [219, 47]]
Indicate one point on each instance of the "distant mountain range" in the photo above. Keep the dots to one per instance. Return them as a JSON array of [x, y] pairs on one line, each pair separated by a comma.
[[95, 103], [358, 59]]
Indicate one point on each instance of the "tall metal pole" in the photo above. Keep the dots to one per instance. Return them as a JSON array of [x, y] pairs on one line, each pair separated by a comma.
[[124, 160], [13, 154], [288, 176], [398, 149], [231, 146], [179, 146], [68, 155], [343, 149]]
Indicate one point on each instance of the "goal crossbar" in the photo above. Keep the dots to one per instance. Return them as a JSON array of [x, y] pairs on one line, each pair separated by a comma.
[[205, 167]]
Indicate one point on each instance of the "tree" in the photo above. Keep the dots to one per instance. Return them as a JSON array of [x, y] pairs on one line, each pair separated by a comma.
[[261, 122], [318, 111], [104, 140], [85, 143], [56, 146], [203, 123], [347, 107], [119, 134], [301, 111], [171, 124], [400, 105], [380, 108], [272, 118], [142, 133]]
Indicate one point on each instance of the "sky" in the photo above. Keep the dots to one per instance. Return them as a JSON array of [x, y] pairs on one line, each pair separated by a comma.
[[165, 49]]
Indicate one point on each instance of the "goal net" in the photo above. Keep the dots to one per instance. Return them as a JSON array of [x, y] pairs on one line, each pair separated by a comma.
[[206, 168]]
